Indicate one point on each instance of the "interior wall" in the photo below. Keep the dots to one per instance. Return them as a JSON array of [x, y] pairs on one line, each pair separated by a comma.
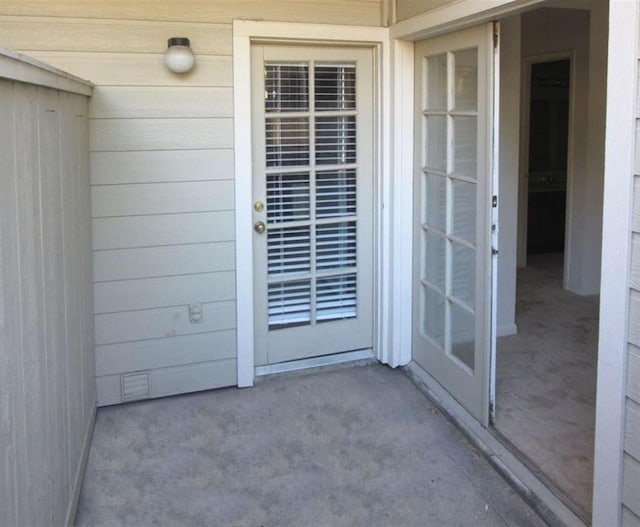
[[585, 277], [162, 174], [545, 32], [47, 382], [508, 173]]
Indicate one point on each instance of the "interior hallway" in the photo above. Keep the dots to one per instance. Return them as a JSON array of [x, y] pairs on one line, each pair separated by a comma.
[[357, 445], [546, 378]]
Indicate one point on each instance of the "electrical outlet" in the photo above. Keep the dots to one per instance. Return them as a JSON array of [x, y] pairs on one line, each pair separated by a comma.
[[195, 313]]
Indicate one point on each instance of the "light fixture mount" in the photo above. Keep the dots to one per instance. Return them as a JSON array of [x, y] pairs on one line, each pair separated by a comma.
[[178, 41]]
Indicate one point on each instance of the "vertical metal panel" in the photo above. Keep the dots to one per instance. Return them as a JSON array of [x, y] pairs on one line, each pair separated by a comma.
[[45, 303], [9, 323], [53, 283], [31, 456]]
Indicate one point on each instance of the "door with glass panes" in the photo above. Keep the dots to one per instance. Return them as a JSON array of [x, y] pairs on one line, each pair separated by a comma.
[[312, 204], [453, 213]]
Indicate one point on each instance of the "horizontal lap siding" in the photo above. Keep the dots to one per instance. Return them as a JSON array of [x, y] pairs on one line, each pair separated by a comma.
[[110, 102], [408, 8], [631, 460], [175, 260], [140, 69], [87, 35], [360, 12], [162, 172], [160, 230]]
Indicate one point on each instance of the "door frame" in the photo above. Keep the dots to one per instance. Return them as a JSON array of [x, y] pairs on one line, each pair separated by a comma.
[[620, 152], [245, 32], [523, 186]]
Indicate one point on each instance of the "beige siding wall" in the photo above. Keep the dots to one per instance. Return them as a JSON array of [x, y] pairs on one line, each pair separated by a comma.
[[631, 470], [408, 8], [47, 385], [162, 175]]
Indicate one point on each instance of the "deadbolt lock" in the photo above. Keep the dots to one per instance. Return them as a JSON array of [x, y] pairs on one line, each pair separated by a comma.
[[258, 206], [259, 227]]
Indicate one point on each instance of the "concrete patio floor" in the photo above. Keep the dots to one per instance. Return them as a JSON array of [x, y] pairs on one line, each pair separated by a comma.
[[357, 445]]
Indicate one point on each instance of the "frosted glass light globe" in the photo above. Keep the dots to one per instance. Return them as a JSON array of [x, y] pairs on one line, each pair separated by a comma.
[[179, 58]]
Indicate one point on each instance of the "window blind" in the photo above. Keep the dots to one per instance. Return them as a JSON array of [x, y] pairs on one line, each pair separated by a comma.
[[311, 183]]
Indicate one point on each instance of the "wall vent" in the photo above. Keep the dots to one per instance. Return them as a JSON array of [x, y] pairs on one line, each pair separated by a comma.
[[135, 386]]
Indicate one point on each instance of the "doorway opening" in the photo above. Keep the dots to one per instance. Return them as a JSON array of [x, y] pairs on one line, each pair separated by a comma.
[[547, 158], [546, 366]]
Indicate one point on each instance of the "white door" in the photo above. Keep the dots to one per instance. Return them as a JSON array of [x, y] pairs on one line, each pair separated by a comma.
[[453, 213], [313, 181]]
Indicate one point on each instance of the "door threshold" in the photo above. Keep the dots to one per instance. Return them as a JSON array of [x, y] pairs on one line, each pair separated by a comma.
[[534, 490], [315, 362], [538, 473]]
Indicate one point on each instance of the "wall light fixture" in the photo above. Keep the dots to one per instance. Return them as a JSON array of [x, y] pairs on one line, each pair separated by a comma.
[[179, 58]]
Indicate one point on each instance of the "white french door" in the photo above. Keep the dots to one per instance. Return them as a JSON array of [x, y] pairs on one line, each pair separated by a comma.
[[313, 200], [452, 269]]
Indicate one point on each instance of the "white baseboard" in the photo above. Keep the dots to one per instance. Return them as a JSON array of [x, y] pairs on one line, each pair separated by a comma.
[[505, 330]]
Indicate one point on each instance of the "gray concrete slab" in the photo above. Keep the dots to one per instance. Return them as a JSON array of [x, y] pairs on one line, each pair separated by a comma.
[[356, 445]]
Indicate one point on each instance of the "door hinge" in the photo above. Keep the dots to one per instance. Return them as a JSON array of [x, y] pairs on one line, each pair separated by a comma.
[[494, 201], [496, 35]]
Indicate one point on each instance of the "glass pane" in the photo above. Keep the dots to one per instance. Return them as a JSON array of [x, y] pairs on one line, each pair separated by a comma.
[[465, 148], [463, 280], [466, 81], [434, 258], [436, 82], [436, 142], [335, 140], [433, 315], [335, 193], [464, 210], [335, 86], [286, 87], [462, 335], [288, 197], [435, 201], [288, 250], [336, 298], [289, 304], [336, 246], [287, 141]]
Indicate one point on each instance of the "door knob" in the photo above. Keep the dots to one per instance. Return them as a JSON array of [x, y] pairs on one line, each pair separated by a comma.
[[259, 227]]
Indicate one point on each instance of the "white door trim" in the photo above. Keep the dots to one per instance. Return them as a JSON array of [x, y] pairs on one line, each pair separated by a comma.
[[402, 209], [456, 15], [619, 169], [495, 221], [244, 32]]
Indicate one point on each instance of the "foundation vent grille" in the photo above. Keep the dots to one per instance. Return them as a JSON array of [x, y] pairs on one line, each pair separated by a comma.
[[135, 386]]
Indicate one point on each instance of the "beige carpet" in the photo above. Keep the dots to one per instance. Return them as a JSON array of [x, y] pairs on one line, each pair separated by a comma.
[[546, 378]]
